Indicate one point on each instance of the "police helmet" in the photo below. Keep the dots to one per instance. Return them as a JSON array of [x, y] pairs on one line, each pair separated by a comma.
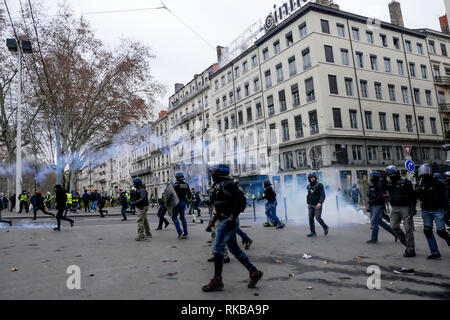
[[438, 176], [221, 170], [425, 169], [375, 174], [312, 175], [179, 176], [267, 183], [392, 171], [137, 182]]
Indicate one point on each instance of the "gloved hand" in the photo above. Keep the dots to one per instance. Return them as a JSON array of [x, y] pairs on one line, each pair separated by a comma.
[[230, 222], [209, 228]]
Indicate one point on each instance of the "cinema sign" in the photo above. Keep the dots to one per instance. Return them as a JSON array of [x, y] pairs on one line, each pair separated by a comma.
[[281, 13]]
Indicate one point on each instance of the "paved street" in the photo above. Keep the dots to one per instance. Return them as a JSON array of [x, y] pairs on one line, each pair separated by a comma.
[[114, 266]]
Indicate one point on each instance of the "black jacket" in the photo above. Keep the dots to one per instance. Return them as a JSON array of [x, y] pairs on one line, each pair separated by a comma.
[[432, 193], [401, 193], [377, 194], [269, 195], [61, 198], [224, 196], [183, 191], [140, 198], [316, 194]]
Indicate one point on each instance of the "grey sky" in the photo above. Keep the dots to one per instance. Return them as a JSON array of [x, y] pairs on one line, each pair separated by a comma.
[[181, 54]]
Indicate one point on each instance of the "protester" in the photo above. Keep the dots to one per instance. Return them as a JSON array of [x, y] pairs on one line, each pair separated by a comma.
[[61, 198], [101, 205], [23, 198], [315, 199], [161, 213], [38, 204], [141, 203], [86, 198], [271, 204]]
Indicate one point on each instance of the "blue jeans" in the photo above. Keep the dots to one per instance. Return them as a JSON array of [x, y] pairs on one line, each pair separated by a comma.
[[428, 218], [243, 235], [226, 236], [180, 210], [376, 220], [271, 212]]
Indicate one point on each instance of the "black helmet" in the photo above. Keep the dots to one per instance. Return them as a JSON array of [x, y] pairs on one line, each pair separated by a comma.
[[392, 171], [179, 176], [220, 170]]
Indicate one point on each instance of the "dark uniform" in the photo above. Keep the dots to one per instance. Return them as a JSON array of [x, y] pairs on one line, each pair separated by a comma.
[[183, 192], [316, 196]]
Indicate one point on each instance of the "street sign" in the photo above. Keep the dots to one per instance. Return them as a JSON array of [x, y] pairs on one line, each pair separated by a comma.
[[408, 150], [410, 166]]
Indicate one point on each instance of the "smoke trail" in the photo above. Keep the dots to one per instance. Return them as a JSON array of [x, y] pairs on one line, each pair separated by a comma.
[[29, 225]]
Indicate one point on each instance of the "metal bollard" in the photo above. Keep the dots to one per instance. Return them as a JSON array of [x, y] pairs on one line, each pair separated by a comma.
[[285, 210], [254, 210]]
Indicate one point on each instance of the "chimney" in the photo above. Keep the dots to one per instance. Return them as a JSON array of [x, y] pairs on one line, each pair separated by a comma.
[[222, 56], [396, 13], [444, 24], [162, 114], [328, 3], [178, 87]]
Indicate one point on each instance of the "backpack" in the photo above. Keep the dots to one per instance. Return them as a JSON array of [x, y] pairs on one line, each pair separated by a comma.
[[241, 201]]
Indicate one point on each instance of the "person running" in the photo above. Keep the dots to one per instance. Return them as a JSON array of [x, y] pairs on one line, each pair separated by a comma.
[[38, 204], [229, 203], [315, 199], [61, 199], [101, 206], [161, 213], [48, 201], [183, 192], [271, 204]]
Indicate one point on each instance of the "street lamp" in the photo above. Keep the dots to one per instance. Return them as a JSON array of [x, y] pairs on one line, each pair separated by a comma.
[[20, 46]]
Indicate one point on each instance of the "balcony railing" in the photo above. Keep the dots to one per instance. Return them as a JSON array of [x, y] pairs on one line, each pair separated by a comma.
[[188, 96], [444, 107], [442, 81], [141, 173]]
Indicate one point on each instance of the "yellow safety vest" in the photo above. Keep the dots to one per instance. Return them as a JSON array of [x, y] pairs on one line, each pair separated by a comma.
[[23, 197], [69, 198], [128, 197]]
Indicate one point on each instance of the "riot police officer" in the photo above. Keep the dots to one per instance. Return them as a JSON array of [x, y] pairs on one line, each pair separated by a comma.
[[229, 202], [140, 201], [184, 194], [315, 198], [403, 201], [447, 212], [432, 194], [377, 206]]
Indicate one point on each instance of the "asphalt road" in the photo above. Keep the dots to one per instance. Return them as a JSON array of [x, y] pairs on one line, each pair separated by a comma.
[[114, 266]]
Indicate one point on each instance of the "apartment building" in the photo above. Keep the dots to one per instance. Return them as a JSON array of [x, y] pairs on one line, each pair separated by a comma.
[[333, 92]]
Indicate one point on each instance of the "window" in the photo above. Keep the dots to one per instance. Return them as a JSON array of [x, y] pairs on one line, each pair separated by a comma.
[[353, 119], [237, 72], [259, 111], [392, 96], [417, 98], [378, 91], [276, 47], [230, 77], [285, 130], [288, 160], [349, 86], [306, 56], [364, 89], [231, 97], [270, 105], [428, 97], [337, 118], [420, 48], [409, 124], [408, 46], [360, 60], [295, 95], [226, 123], [421, 124], [396, 119], [310, 93], [280, 76], [282, 100], [329, 54], [256, 84], [245, 67], [344, 56], [383, 124], [383, 40], [412, 69], [401, 70], [254, 61], [224, 101], [357, 153], [405, 94], [433, 125], [372, 153], [400, 153], [368, 118], [266, 54], [238, 94], [369, 37], [298, 127], [396, 43], [432, 47], [289, 39], [355, 34], [333, 84], [441, 97], [387, 154], [423, 68], [325, 26], [341, 30], [223, 81], [233, 121], [247, 89], [373, 62], [249, 114], [303, 30], [268, 79], [218, 104], [313, 122], [292, 66], [444, 49], [216, 84], [387, 65], [273, 133], [436, 71]]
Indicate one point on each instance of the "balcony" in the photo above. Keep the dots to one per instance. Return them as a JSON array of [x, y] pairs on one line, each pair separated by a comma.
[[442, 81], [188, 96], [141, 173], [444, 107]]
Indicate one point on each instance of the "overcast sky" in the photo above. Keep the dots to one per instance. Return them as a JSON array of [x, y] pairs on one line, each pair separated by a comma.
[[181, 53]]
